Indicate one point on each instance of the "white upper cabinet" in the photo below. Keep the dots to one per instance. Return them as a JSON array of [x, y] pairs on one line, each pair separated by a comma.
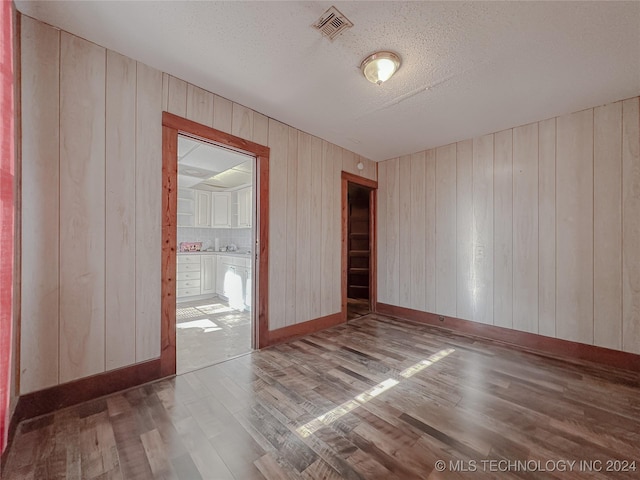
[[203, 209], [221, 217], [245, 210]]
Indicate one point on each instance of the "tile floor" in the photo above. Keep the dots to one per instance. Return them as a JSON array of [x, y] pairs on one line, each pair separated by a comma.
[[209, 331]]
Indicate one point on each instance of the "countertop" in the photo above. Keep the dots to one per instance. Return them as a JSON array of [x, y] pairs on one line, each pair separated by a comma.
[[239, 253]]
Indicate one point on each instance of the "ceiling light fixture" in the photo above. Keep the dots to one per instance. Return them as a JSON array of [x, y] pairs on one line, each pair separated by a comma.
[[380, 66]]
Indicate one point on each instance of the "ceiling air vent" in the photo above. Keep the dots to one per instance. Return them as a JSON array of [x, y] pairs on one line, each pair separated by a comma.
[[332, 23]]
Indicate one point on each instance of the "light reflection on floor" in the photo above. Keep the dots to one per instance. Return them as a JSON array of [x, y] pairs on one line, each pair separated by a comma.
[[209, 331], [204, 324]]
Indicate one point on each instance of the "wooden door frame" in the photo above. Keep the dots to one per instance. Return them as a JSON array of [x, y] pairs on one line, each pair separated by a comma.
[[348, 178], [172, 125]]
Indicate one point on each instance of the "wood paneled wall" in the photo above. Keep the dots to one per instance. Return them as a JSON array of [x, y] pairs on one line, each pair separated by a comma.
[[92, 172], [535, 228]]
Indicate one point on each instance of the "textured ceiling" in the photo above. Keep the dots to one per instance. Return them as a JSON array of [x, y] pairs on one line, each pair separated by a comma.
[[469, 68]]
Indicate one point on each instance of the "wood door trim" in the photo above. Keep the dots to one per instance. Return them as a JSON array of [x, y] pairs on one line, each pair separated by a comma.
[[172, 125], [365, 182], [373, 185], [191, 128]]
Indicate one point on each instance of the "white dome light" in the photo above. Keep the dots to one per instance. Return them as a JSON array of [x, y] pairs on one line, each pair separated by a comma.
[[380, 66]]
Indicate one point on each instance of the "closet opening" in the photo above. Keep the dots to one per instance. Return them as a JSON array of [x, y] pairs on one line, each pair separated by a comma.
[[359, 265]]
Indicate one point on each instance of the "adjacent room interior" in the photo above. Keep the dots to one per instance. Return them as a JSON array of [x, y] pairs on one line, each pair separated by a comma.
[[215, 239], [291, 240]]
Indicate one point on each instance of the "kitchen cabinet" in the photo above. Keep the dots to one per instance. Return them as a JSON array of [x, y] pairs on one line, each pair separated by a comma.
[[188, 276], [234, 281], [221, 210], [203, 208], [245, 207], [247, 286], [186, 207], [207, 274], [220, 271]]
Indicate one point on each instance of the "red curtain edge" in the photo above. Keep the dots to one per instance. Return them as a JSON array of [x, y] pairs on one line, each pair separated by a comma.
[[6, 214]]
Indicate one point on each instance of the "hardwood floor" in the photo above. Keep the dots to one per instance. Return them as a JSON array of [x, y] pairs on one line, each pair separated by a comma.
[[373, 399], [209, 331], [357, 307]]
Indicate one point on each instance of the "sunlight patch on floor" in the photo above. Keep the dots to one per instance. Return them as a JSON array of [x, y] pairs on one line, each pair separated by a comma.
[[188, 312], [214, 308], [203, 324], [331, 416]]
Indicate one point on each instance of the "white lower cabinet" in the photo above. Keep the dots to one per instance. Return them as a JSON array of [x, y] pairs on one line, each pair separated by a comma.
[[233, 281], [220, 271], [188, 276], [247, 286], [207, 274], [225, 275]]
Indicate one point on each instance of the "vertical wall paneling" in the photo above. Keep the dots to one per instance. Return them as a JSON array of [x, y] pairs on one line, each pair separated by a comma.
[[241, 121], [315, 232], [574, 227], [82, 207], [165, 92], [369, 169], [278, 140], [417, 232], [148, 211], [547, 227], [199, 105], [464, 229], [631, 229], [120, 288], [525, 228], [326, 250], [607, 224], [177, 97], [222, 114], [393, 228], [446, 271], [92, 140], [533, 228], [430, 238], [260, 129], [350, 164], [303, 229], [503, 229], [40, 205], [336, 241], [482, 261], [382, 232], [404, 236], [291, 229]]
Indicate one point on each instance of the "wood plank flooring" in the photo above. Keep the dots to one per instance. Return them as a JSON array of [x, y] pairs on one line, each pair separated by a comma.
[[377, 398]]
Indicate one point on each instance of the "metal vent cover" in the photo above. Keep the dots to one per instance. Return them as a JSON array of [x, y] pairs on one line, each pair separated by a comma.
[[332, 23]]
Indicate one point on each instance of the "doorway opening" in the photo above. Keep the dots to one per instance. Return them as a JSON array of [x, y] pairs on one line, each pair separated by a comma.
[[358, 246], [215, 229], [215, 240]]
